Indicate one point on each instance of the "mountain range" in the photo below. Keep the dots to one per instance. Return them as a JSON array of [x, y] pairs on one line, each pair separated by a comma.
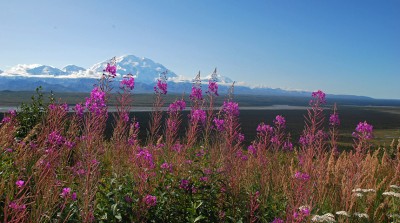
[[73, 78]]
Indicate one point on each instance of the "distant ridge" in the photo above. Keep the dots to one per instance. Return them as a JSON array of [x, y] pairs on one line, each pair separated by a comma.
[[73, 78]]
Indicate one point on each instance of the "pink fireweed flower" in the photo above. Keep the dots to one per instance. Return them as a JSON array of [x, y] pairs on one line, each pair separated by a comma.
[[318, 98], [12, 113], [66, 191], [128, 82], [172, 125], [363, 131], [334, 120], [125, 117], [280, 121], [198, 115], [219, 124], [79, 109], [55, 138], [277, 220], [177, 148], [69, 144], [52, 107], [231, 108], [178, 105], [161, 87], [208, 171], [264, 129], [20, 183], [305, 210], [13, 205], [301, 176], [150, 200], [306, 140], [204, 179], [275, 139], [196, 94], [166, 166], [212, 88], [96, 102], [252, 150], [146, 158], [6, 120], [288, 146], [111, 69], [240, 155], [184, 184], [65, 107]]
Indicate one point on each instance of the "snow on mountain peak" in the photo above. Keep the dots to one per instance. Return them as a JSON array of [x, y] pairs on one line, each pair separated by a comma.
[[45, 70], [72, 69], [144, 70]]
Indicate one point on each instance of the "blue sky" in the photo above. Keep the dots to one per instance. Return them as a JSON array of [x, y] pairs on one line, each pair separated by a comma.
[[339, 46]]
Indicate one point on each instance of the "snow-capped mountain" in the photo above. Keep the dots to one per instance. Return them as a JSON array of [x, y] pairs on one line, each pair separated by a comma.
[[72, 78], [143, 69], [45, 70], [1, 71], [69, 69]]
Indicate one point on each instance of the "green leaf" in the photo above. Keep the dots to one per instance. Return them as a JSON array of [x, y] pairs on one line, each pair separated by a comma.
[[199, 218]]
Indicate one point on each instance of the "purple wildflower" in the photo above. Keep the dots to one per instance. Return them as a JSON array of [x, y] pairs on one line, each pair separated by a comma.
[[184, 184], [20, 183], [128, 199], [363, 131], [17, 207], [177, 148], [305, 211], [198, 115], [146, 157], [334, 120], [231, 108], [178, 105], [264, 129], [64, 107], [305, 140], [318, 98], [150, 200], [79, 110], [111, 69], [96, 102], [252, 150], [55, 138], [219, 124], [280, 121], [288, 146], [301, 176], [204, 179], [277, 220], [128, 82], [166, 166], [161, 87], [196, 94], [125, 117], [52, 107], [212, 88], [66, 191]]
